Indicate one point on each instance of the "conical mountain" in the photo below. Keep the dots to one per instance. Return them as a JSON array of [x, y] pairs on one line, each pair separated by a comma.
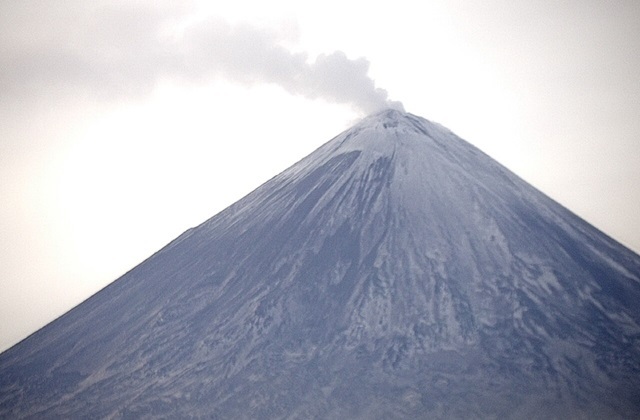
[[396, 272]]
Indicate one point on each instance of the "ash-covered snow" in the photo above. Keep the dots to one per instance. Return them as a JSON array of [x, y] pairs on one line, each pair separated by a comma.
[[396, 272]]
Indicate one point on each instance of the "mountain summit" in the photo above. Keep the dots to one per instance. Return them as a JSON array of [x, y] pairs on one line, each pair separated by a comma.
[[396, 272]]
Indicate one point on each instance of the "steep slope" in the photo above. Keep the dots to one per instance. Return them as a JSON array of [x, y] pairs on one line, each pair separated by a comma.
[[395, 272]]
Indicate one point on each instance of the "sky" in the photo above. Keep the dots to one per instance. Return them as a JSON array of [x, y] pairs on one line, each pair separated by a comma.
[[122, 124]]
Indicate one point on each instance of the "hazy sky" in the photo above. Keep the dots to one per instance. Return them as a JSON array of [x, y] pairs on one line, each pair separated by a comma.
[[122, 124]]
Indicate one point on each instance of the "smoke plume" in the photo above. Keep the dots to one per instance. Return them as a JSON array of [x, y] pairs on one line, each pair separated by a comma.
[[117, 51]]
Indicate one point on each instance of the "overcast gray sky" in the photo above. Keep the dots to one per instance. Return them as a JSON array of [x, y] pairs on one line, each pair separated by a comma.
[[122, 124]]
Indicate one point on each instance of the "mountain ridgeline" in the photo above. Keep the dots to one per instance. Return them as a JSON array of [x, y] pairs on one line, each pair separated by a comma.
[[396, 272]]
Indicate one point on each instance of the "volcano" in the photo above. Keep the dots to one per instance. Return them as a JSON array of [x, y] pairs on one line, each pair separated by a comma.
[[396, 272]]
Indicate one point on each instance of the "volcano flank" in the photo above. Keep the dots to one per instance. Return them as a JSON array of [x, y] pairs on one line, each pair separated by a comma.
[[396, 272]]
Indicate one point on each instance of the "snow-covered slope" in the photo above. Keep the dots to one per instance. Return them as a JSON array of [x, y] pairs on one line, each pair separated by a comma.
[[396, 272]]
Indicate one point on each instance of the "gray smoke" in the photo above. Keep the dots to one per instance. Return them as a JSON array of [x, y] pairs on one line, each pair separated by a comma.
[[250, 55], [117, 52]]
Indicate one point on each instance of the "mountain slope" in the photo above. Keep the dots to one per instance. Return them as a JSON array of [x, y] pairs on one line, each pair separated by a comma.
[[395, 272]]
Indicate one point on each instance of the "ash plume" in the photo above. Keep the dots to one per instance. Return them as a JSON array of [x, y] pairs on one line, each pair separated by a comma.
[[117, 51]]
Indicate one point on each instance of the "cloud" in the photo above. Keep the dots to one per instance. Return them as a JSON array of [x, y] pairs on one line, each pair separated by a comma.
[[115, 52]]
